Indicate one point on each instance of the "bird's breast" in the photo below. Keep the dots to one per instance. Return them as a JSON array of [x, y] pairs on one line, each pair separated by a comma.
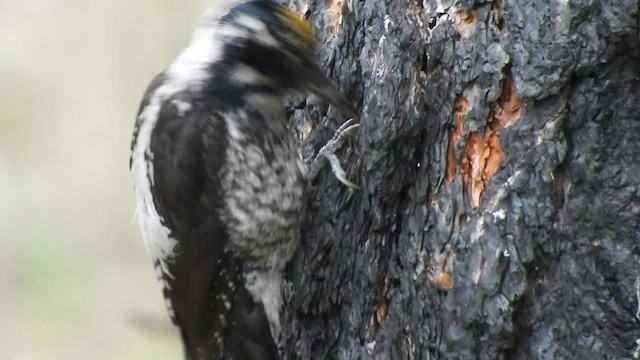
[[264, 183]]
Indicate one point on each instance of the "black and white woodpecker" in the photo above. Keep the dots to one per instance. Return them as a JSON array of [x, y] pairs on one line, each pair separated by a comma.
[[219, 181]]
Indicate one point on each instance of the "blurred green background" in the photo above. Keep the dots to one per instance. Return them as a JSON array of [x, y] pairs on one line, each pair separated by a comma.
[[76, 281]]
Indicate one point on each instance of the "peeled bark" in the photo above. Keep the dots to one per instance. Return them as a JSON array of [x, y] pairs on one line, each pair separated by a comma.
[[498, 158]]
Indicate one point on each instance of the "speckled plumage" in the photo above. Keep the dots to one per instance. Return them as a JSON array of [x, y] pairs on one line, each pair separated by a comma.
[[263, 184]]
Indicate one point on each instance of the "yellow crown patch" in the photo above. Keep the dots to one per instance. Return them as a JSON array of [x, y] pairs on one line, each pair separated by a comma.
[[296, 23]]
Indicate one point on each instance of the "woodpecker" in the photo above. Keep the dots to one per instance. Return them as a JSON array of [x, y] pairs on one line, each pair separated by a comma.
[[219, 181]]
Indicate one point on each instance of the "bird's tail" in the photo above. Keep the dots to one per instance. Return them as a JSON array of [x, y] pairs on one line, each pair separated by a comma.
[[205, 350], [247, 335], [239, 347]]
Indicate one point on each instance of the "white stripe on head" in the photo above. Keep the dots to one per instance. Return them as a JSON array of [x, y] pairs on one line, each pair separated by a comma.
[[260, 33], [205, 48], [190, 68], [243, 74]]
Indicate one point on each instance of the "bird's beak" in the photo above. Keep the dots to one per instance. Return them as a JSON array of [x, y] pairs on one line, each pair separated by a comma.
[[322, 87]]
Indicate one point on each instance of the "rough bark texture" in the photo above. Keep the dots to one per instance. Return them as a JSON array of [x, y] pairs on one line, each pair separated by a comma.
[[499, 164]]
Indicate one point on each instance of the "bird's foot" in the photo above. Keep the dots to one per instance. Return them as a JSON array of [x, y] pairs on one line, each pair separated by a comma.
[[328, 153]]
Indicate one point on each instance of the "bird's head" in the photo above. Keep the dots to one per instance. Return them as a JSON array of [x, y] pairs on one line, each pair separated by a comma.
[[261, 44]]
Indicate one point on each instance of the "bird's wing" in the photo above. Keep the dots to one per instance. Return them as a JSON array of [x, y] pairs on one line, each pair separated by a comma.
[[203, 282]]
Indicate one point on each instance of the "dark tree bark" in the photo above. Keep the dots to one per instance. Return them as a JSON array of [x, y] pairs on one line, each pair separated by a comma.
[[499, 162]]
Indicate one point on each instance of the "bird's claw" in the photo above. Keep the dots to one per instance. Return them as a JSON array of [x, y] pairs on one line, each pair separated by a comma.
[[328, 153]]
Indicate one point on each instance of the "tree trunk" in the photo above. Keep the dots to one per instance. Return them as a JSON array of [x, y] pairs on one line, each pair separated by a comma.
[[498, 159]]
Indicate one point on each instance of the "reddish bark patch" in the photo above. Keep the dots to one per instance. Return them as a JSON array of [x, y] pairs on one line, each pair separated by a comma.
[[483, 154], [509, 105], [467, 17], [439, 276], [466, 22], [460, 109], [498, 6], [473, 162], [382, 311], [382, 307], [334, 16]]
